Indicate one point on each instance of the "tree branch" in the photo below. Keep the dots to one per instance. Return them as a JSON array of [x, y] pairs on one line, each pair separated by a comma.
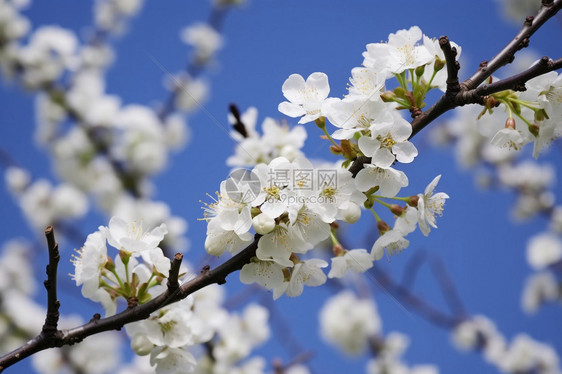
[[453, 67], [469, 92], [548, 9], [447, 286], [417, 304], [517, 82], [137, 313]]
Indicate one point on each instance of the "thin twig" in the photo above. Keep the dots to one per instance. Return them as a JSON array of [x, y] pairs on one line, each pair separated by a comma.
[[411, 269], [418, 305], [447, 286], [174, 272], [517, 82], [53, 304], [453, 67]]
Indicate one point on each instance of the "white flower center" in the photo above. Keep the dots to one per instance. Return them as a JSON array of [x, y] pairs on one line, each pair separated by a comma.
[[408, 54], [386, 141], [272, 192]]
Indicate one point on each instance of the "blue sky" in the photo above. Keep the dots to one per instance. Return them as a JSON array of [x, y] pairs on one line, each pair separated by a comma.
[[266, 41]]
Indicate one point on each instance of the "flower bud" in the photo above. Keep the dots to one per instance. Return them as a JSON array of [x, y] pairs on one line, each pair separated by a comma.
[[255, 211], [348, 150], [382, 227], [294, 258], [492, 102], [263, 224], [320, 122], [388, 96], [400, 92], [396, 209], [541, 115], [339, 250], [352, 213], [336, 150], [141, 345], [213, 246], [413, 201], [125, 256], [439, 64], [110, 265], [534, 129]]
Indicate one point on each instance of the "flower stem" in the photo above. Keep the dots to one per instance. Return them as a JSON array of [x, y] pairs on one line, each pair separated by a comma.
[[328, 135], [377, 218], [383, 203], [334, 238]]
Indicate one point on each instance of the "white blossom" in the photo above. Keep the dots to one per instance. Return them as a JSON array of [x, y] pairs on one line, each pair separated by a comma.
[[389, 180], [90, 263], [366, 83], [353, 115], [387, 143], [50, 51], [407, 222], [307, 272], [400, 53], [266, 273], [392, 240], [348, 322], [544, 250], [479, 332], [190, 93], [229, 231], [430, 205], [357, 260], [112, 15], [204, 39], [539, 288], [132, 237], [525, 355], [263, 224], [508, 138], [17, 179], [172, 360], [532, 181], [305, 97], [241, 333], [16, 272], [277, 140]]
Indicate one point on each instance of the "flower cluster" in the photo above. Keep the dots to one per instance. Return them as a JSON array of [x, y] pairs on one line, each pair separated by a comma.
[[497, 153], [112, 15], [170, 335], [522, 355], [104, 279], [252, 148], [42, 203], [352, 324], [294, 205]]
